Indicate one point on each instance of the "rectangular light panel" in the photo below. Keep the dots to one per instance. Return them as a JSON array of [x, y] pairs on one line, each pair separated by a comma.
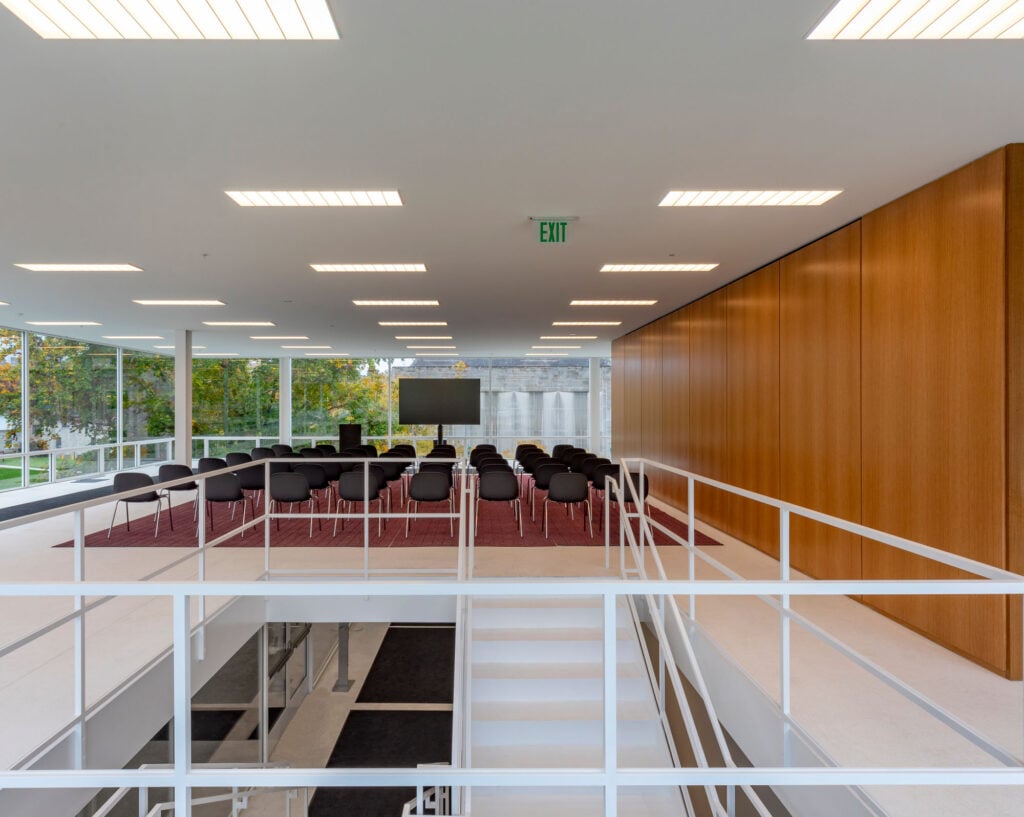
[[747, 198], [239, 323], [423, 337], [412, 323], [150, 302], [326, 354], [556, 347], [586, 323], [612, 303], [568, 337], [315, 198], [278, 337], [133, 337], [182, 20], [369, 267], [658, 267], [546, 354], [396, 303], [79, 267], [216, 354], [436, 354], [922, 20], [63, 323], [171, 347], [431, 347], [305, 347]]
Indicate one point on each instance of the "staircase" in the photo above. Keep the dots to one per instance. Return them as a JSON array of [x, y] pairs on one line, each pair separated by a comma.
[[537, 701]]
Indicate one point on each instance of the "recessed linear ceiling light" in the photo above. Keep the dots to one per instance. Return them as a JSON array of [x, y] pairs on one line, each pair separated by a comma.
[[431, 347], [171, 347], [658, 267], [747, 198], [216, 354], [4, 303], [423, 337], [412, 323], [556, 347], [612, 303], [436, 354], [326, 354], [239, 324], [133, 337], [568, 337], [922, 20], [369, 267], [305, 347], [150, 302], [278, 337], [194, 20], [546, 354], [79, 267], [63, 323], [315, 198], [586, 323], [396, 303]]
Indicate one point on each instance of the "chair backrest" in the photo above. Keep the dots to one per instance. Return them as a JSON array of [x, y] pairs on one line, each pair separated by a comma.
[[282, 449], [328, 449], [349, 455], [437, 468], [176, 471], [543, 473], [392, 468], [609, 469], [429, 486], [262, 453], [311, 453], [224, 488], [591, 464], [211, 464], [642, 491], [522, 448], [404, 448], [498, 486], [485, 447], [254, 479], [315, 475], [129, 481], [376, 473], [530, 459], [558, 449], [568, 487], [567, 455], [237, 458], [289, 487], [493, 465], [350, 486], [369, 450], [576, 460], [332, 469]]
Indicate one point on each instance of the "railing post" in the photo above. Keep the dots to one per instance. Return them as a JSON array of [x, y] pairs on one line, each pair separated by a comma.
[[263, 663], [366, 518], [784, 638], [51, 467], [266, 517], [611, 759], [182, 652], [691, 503], [80, 706]]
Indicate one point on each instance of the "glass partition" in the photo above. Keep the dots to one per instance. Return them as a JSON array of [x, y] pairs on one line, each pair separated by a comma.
[[329, 391]]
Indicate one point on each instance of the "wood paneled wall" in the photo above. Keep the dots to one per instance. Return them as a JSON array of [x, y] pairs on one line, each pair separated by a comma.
[[876, 375]]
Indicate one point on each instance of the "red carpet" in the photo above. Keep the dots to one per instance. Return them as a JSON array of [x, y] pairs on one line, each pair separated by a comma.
[[496, 529]]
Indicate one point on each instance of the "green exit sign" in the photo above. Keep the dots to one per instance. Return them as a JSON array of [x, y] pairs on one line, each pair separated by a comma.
[[552, 232]]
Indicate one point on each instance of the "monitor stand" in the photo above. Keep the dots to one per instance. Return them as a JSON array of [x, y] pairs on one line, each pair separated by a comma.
[[440, 434]]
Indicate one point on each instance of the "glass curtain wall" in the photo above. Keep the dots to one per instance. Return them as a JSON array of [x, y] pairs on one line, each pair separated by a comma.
[[11, 461], [234, 404], [329, 391]]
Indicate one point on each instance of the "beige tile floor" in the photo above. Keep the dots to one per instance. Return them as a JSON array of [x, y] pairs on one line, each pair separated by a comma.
[[856, 719]]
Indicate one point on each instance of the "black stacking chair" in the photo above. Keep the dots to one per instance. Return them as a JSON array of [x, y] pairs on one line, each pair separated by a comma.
[[576, 461], [224, 488], [349, 455], [404, 448], [292, 487], [559, 449], [316, 476], [570, 489], [350, 490], [129, 481], [311, 453], [533, 463], [500, 486], [328, 449], [254, 480], [590, 465], [429, 486], [567, 455], [479, 452], [369, 450], [262, 453], [237, 458], [494, 465], [522, 448], [207, 464], [528, 461], [542, 478], [393, 465], [175, 471], [282, 450]]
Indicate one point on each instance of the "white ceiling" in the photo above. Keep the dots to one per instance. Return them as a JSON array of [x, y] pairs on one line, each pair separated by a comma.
[[482, 113]]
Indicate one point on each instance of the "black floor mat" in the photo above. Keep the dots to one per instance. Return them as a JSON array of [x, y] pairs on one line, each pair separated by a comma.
[[207, 724], [414, 665], [273, 713], [397, 740], [52, 502]]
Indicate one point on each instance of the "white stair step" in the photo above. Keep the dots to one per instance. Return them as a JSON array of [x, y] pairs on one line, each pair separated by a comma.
[[519, 633], [626, 710], [537, 617], [513, 651], [562, 732], [551, 802], [567, 756], [551, 669], [523, 602], [554, 689]]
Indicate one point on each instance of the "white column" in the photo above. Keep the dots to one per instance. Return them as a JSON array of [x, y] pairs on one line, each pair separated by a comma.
[[284, 400], [595, 404], [183, 396]]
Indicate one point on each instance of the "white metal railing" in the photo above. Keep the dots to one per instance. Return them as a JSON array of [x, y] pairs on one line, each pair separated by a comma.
[[659, 593], [60, 464]]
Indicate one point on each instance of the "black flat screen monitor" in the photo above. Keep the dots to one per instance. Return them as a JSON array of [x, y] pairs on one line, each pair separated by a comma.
[[454, 401]]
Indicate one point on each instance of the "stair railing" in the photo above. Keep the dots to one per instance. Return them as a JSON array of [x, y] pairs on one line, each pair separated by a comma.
[[436, 800]]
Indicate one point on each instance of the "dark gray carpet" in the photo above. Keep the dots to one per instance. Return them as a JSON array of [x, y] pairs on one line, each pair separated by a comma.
[[414, 665], [397, 740], [26, 508]]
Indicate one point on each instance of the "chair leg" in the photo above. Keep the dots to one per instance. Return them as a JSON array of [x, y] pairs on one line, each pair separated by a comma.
[[170, 516], [127, 517], [451, 519], [590, 517], [311, 517], [156, 519], [476, 518], [112, 516], [243, 518], [408, 520], [546, 518], [380, 510], [518, 507]]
